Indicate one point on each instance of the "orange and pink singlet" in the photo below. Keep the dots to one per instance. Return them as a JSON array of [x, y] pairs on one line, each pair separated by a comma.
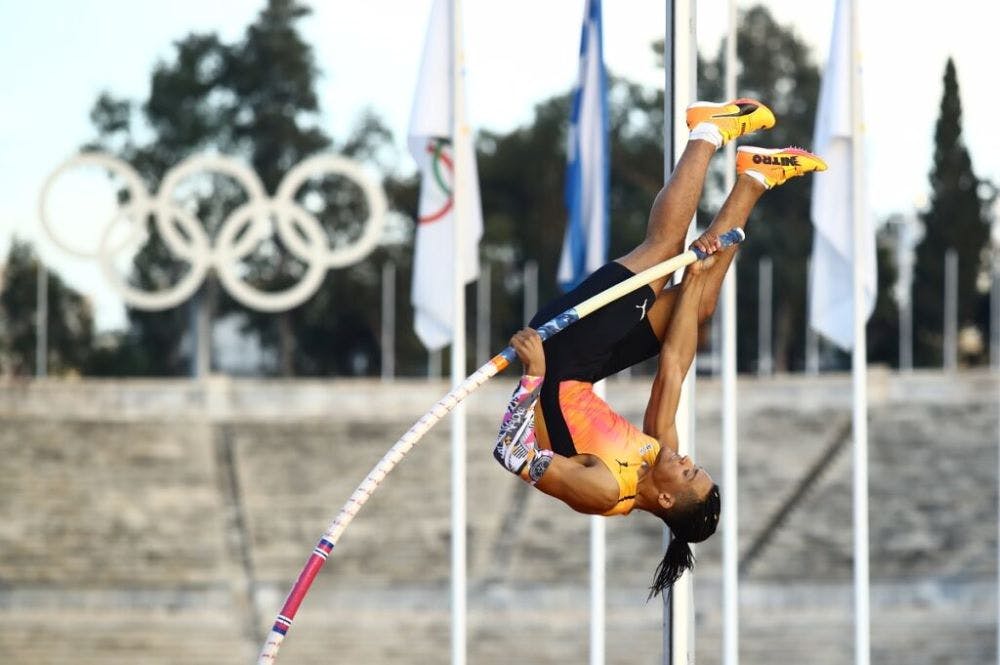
[[597, 430]]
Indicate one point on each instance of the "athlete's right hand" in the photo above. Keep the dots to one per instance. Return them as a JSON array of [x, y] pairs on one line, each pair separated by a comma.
[[707, 243], [528, 346]]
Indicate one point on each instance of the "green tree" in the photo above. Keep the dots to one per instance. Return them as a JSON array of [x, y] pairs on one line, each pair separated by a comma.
[[956, 219], [70, 332], [253, 99]]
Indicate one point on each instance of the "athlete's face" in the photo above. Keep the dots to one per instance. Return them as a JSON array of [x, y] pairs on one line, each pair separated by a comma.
[[677, 476]]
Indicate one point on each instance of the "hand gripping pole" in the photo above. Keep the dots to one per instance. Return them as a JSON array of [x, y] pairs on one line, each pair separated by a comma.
[[498, 363]]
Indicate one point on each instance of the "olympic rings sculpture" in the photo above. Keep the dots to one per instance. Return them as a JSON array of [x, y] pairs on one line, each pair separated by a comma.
[[257, 219]]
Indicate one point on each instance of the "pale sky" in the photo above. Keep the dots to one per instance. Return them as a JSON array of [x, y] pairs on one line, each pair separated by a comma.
[[56, 57]]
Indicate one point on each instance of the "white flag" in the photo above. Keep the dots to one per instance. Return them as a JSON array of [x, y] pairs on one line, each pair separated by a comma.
[[431, 143], [585, 245], [831, 299]]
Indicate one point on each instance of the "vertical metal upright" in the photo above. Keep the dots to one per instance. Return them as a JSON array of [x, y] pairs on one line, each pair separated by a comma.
[[679, 91], [730, 467]]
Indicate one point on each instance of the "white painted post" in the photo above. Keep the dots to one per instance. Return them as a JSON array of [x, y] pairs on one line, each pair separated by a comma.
[[388, 321], [458, 423], [812, 339], [905, 243], [483, 314], [765, 362], [995, 314], [598, 574], [949, 349], [859, 361], [530, 300], [42, 321]]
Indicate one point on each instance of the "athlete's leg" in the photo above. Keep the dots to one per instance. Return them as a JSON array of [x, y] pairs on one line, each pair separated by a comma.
[[758, 170], [734, 213], [672, 211], [630, 339], [645, 342], [712, 126]]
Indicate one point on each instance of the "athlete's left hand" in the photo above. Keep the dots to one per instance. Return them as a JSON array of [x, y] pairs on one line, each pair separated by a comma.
[[528, 346]]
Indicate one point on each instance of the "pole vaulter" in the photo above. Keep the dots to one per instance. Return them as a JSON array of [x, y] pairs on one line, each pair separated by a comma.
[[412, 436], [580, 462]]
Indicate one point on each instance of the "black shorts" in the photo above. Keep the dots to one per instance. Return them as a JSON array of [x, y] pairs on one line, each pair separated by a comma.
[[607, 341]]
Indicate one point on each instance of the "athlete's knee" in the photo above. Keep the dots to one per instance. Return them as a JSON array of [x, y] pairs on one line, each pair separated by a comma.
[[672, 367]]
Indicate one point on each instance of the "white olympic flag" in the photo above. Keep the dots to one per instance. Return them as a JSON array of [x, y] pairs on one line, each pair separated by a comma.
[[431, 143], [830, 292]]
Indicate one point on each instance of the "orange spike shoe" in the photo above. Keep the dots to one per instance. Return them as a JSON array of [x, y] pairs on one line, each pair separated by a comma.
[[734, 119], [772, 167]]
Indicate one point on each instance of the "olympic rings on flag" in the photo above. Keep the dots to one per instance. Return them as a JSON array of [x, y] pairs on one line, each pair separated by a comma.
[[241, 232]]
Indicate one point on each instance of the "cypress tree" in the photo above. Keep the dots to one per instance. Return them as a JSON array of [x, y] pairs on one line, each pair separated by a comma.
[[955, 219]]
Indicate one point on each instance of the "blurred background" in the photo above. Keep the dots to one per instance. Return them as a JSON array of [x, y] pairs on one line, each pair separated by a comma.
[[158, 505]]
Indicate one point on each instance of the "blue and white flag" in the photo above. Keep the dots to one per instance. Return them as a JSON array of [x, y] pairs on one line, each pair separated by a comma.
[[585, 247]]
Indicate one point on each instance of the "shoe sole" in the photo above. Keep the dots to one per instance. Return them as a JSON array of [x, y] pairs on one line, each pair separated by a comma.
[[801, 152]]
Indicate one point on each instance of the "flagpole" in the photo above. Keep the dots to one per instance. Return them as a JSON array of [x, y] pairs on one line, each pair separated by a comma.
[[458, 490], [597, 255], [669, 88], [730, 468], [862, 649]]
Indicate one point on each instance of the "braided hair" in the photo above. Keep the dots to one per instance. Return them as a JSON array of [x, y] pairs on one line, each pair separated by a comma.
[[692, 522]]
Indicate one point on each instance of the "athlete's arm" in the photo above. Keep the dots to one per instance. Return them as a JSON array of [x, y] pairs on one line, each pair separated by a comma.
[[676, 355], [586, 488], [515, 445]]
